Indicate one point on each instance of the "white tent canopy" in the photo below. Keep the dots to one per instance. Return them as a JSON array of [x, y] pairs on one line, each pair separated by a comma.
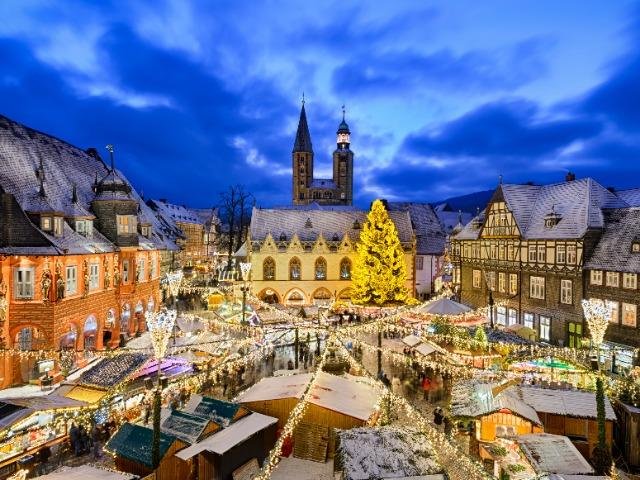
[[411, 340], [87, 472], [444, 306]]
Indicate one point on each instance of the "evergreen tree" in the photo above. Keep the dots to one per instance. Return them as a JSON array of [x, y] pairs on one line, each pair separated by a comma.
[[601, 457], [379, 271], [481, 337]]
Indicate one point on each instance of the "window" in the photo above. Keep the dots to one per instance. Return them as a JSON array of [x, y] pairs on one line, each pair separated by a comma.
[[23, 282], [145, 230], [510, 252], [345, 269], [542, 253], [536, 287], [500, 252], [152, 267], [545, 328], [127, 224], [501, 317], [141, 268], [71, 286], [419, 262], [84, 227], [294, 269], [475, 250], [476, 279], [532, 253], [629, 314], [561, 254], [491, 280], [125, 271], [269, 269], [614, 309], [630, 281], [613, 279], [571, 254], [58, 223], [635, 247], [528, 320], [596, 277], [45, 223], [502, 282], [493, 251], [321, 269], [566, 292], [513, 316], [513, 283], [94, 276]]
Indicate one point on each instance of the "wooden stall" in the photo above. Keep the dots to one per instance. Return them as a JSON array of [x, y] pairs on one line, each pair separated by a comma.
[[628, 432]]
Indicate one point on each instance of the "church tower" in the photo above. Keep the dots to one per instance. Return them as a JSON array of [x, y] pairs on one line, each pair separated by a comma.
[[343, 163], [302, 158]]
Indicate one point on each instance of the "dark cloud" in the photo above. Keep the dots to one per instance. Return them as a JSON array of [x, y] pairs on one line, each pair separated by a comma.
[[395, 72]]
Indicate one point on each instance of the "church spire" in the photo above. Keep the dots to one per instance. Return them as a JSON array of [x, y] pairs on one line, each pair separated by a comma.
[[303, 138]]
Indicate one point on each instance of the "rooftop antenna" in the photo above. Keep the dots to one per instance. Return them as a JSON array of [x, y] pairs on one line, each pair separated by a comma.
[[303, 99], [343, 111]]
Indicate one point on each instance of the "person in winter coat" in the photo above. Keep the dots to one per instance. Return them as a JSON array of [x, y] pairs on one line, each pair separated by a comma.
[[426, 387], [396, 386]]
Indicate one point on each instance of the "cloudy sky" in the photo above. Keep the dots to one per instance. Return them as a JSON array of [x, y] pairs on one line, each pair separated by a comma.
[[441, 97]]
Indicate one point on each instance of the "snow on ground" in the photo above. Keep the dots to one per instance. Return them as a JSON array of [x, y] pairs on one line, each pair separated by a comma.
[[299, 469]]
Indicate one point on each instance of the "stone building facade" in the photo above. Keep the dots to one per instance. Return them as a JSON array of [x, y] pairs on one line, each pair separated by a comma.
[[527, 252], [304, 256], [79, 255]]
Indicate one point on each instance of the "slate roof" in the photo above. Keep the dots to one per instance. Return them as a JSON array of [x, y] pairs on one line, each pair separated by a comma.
[[430, 234], [613, 251], [303, 138], [450, 219], [177, 213], [185, 426], [579, 204], [31, 160], [308, 224], [631, 196], [133, 442], [323, 183]]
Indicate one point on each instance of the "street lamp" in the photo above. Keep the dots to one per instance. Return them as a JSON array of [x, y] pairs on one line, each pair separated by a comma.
[[245, 267], [491, 304], [160, 325]]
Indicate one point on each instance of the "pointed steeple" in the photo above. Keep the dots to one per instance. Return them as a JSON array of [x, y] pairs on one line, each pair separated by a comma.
[[303, 138]]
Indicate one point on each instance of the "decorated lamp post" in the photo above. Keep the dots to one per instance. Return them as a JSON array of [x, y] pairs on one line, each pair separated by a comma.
[[245, 268], [160, 325], [597, 314]]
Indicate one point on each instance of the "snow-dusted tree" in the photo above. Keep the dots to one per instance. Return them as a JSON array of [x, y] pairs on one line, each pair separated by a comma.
[[379, 271]]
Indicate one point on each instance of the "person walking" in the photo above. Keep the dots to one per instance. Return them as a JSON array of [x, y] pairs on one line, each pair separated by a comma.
[[74, 436], [426, 387]]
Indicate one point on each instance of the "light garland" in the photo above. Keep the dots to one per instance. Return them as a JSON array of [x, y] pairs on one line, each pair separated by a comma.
[[597, 314], [174, 279]]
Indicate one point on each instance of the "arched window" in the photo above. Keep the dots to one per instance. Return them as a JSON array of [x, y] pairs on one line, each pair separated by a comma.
[[294, 269], [269, 269], [345, 269], [321, 269], [89, 331], [111, 318]]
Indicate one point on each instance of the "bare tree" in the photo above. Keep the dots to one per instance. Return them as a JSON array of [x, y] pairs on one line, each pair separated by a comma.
[[235, 214]]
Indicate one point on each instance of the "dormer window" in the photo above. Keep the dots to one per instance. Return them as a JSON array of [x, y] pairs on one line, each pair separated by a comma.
[[145, 231], [283, 237], [356, 225], [84, 227], [635, 246], [552, 218], [58, 224], [308, 223], [127, 224], [46, 224]]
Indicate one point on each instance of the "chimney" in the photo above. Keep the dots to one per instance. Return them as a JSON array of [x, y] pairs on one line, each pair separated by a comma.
[[570, 177]]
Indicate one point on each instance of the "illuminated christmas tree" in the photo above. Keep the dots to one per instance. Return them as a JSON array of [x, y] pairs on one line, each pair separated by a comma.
[[379, 271]]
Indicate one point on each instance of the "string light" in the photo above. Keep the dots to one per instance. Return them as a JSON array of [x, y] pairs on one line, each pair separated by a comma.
[[160, 325], [597, 314]]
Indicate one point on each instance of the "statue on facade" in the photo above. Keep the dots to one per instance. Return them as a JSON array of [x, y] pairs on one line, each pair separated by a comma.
[[59, 282], [107, 279], [116, 272], [138, 272], [45, 285], [85, 278]]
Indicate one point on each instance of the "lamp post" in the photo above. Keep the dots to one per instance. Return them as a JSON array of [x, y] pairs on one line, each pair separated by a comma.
[[491, 304], [597, 314], [160, 325], [245, 268]]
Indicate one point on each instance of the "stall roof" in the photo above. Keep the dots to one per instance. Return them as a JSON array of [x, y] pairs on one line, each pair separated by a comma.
[[223, 440], [87, 472], [349, 395], [185, 426], [85, 394], [411, 340], [549, 453], [10, 414], [47, 402], [113, 370], [425, 349], [571, 403], [133, 442], [443, 306], [213, 409]]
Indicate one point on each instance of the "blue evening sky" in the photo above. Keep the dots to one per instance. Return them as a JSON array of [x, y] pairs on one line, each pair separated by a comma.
[[441, 97]]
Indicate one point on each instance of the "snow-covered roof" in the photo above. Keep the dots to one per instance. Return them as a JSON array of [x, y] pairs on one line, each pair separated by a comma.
[[444, 306], [411, 340], [87, 472], [347, 394], [386, 452], [613, 250], [631, 196], [430, 234], [549, 453], [184, 425], [571, 403], [308, 224], [223, 440]]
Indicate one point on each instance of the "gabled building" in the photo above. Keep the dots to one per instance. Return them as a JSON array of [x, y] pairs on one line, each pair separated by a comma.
[[304, 255], [79, 251], [526, 251]]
